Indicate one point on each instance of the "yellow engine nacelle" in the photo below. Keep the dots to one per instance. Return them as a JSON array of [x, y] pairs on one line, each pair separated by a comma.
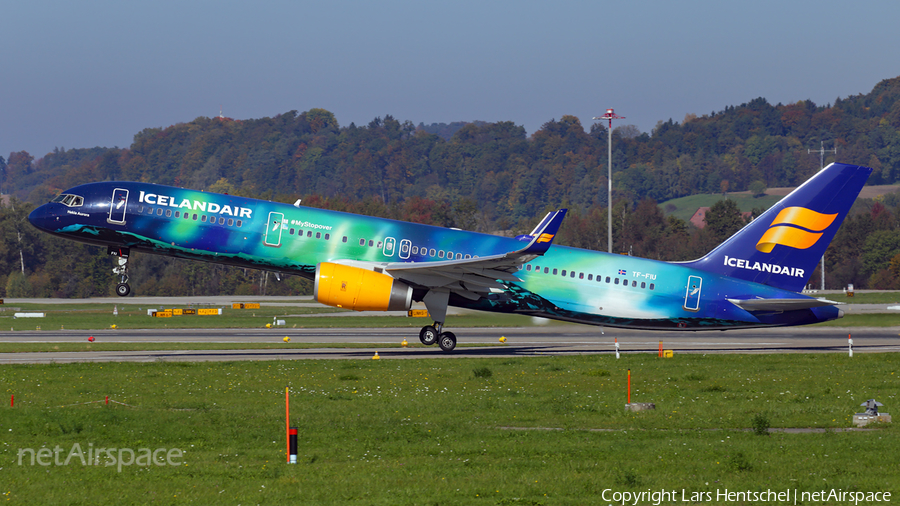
[[360, 289]]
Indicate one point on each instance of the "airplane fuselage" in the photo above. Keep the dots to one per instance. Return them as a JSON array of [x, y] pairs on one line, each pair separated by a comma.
[[565, 283]]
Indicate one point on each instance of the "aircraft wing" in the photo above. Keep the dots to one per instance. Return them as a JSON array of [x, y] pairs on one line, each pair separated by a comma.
[[752, 305], [472, 277]]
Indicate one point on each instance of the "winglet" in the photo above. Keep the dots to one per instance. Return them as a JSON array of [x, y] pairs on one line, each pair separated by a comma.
[[542, 235]]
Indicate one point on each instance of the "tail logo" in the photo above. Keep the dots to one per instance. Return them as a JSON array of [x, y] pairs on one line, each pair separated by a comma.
[[545, 238], [784, 231]]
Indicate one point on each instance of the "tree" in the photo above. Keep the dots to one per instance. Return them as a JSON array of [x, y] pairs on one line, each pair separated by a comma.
[[758, 188], [723, 219]]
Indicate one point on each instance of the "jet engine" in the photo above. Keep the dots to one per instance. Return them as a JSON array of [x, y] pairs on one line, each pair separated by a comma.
[[360, 289]]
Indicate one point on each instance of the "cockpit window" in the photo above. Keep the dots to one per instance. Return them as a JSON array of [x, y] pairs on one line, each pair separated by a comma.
[[69, 200]]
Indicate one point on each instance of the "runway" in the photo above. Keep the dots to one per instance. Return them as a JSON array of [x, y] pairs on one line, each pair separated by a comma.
[[521, 342]]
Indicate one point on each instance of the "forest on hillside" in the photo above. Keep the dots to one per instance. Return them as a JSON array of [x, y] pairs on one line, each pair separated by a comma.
[[477, 176]]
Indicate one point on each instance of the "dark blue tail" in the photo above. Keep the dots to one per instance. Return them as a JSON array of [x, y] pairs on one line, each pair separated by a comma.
[[782, 247]]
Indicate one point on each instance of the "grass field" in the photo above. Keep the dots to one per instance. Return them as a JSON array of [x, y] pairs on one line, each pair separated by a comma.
[[685, 207], [543, 430], [100, 316]]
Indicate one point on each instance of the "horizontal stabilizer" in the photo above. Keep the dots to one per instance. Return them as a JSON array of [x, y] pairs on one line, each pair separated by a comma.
[[753, 305]]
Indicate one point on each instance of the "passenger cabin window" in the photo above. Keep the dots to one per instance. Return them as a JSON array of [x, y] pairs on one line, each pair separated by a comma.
[[362, 242], [344, 239], [168, 213], [431, 252], [318, 235], [230, 221]]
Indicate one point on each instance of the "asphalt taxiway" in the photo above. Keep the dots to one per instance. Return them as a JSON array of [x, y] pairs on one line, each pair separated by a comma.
[[520, 341]]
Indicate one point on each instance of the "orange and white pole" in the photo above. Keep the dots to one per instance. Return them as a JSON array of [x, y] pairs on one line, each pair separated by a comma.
[[629, 386]]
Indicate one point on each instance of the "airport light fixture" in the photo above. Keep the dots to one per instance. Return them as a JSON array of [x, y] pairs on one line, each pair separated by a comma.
[[610, 115]]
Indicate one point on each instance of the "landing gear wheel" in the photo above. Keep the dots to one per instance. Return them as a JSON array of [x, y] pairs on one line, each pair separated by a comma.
[[122, 289], [121, 270], [447, 341], [428, 335]]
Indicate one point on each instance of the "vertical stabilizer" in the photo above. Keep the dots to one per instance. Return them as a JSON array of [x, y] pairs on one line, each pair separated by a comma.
[[782, 247]]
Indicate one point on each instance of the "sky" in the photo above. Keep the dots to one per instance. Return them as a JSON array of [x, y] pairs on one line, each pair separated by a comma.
[[95, 73]]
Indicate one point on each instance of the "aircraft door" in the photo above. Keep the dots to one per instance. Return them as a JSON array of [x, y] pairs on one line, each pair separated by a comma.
[[273, 229], [405, 248], [692, 293], [389, 245], [117, 206]]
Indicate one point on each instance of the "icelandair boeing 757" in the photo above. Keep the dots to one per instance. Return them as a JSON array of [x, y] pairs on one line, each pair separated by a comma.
[[364, 263]]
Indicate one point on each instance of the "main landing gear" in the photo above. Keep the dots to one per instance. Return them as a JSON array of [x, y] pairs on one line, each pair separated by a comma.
[[431, 334], [121, 270]]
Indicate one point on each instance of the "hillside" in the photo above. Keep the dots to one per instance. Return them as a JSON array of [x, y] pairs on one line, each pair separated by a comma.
[[476, 176], [509, 176], [685, 207]]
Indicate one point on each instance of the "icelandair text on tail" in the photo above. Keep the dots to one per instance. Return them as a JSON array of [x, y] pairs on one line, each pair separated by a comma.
[[762, 266]]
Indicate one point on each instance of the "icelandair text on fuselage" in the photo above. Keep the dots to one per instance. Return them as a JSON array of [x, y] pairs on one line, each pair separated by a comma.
[[196, 205], [740, 263], [657, 497]]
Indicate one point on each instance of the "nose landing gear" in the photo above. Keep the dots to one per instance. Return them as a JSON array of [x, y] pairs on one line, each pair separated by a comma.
[[121, 270]]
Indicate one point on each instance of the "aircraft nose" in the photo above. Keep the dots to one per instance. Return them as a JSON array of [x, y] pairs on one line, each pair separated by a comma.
[[42, 218]]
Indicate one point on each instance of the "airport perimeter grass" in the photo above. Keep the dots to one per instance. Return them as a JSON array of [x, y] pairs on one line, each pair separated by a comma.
[[100, 316], [542, 430]]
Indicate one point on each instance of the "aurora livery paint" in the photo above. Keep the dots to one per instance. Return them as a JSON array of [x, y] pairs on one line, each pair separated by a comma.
[[365, 263]]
